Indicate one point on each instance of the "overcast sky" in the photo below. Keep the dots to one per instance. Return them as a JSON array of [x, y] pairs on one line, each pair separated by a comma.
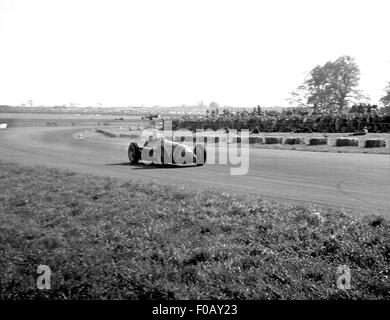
[[149, 52]]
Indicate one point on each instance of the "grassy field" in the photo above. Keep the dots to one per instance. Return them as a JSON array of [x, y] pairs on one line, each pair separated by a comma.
[[109, 239]]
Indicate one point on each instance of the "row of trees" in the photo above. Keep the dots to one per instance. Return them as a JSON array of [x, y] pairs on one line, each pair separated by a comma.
[[333, 86]]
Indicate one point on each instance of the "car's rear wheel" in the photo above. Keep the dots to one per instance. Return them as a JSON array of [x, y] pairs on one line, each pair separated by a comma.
[[201, 155], [134, 153]]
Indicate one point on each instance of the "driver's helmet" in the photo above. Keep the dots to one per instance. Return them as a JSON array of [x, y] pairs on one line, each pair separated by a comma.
[[150, 135]]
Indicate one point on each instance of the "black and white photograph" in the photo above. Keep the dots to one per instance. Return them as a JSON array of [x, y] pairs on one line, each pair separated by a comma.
[[176, 150]]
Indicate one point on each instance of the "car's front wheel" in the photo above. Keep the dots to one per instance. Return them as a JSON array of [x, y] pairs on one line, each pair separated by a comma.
[[134, 153]]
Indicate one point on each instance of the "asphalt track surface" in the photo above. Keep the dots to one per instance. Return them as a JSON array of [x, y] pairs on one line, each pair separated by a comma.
[[357, 182]]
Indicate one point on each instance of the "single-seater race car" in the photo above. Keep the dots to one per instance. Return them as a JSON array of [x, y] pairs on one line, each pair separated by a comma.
[[160, 150]]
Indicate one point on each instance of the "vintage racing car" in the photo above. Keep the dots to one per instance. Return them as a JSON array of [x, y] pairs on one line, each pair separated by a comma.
[[160, 150]]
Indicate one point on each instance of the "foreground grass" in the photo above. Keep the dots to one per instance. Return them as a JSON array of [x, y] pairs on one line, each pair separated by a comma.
[[108, 239]]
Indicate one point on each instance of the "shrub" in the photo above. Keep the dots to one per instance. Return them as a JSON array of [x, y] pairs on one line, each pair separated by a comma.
[[375, 143], [350, 142], [272, 140], [294, 140], [318, 141]]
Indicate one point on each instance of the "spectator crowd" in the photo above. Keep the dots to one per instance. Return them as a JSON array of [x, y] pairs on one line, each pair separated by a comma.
[[302, 119]]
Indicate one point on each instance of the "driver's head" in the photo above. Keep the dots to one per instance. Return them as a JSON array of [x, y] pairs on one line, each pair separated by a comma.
[[154, 134]]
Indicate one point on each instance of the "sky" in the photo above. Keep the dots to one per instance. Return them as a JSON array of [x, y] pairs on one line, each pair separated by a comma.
[[130, 53]]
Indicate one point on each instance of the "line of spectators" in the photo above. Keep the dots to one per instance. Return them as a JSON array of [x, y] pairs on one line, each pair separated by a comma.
[[290, 120]]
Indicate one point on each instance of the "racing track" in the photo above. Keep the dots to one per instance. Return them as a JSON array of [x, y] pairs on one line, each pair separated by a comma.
[[360, 182]]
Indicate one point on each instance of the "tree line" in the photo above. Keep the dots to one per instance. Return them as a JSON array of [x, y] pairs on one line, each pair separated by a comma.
[[333, 86]]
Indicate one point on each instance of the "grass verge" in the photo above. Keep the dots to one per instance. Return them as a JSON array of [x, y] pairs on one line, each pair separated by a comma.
[[108, 239]]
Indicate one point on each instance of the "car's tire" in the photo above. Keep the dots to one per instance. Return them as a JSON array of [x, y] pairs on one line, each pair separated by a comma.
[[202, 151], [134, 153]]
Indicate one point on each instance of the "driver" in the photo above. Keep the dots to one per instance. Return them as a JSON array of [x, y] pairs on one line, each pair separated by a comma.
[[154, 138]]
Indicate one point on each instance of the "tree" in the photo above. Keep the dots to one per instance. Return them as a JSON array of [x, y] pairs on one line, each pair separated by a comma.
[[363, 108], [333, 85], [386, 98], [299, 97]]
